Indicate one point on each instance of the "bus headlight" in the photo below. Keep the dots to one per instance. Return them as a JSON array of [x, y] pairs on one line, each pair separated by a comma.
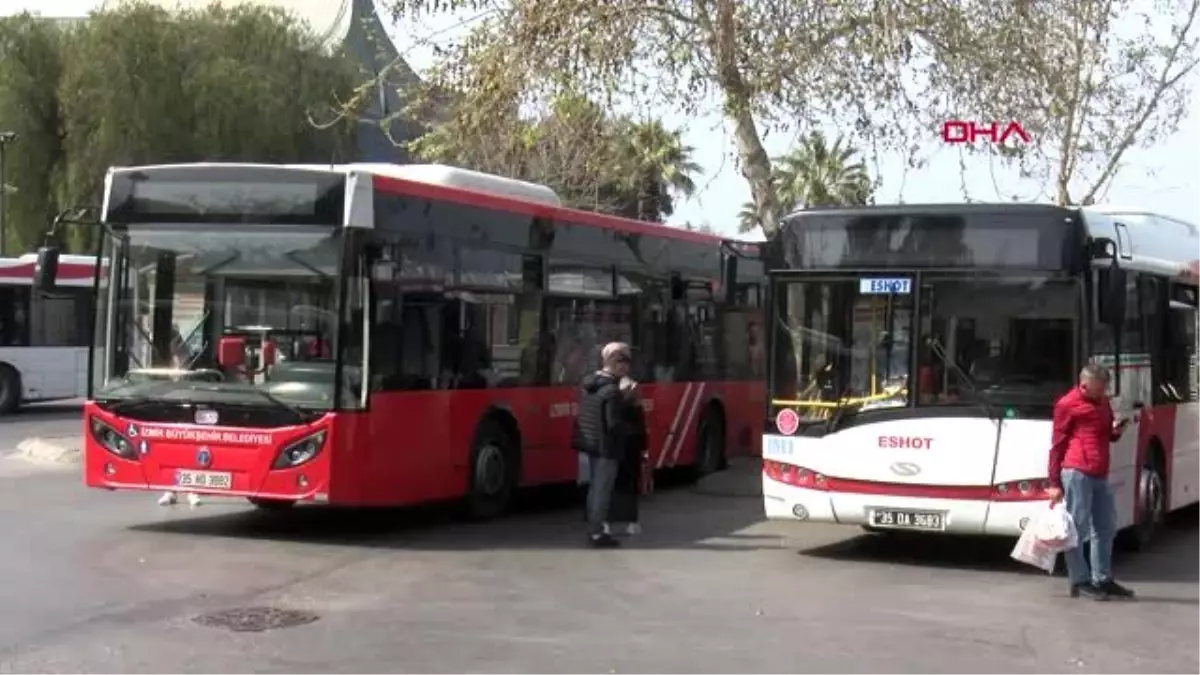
[[301, 451], [110, 439]]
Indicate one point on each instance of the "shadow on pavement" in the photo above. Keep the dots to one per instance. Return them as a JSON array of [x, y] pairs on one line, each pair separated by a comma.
[[547, 518], [45, 411], [1156, 563]]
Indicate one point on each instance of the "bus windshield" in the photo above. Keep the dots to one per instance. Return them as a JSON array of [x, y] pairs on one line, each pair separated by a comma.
[[1008, 340], [849, 343], [839, 345], [176, 295]]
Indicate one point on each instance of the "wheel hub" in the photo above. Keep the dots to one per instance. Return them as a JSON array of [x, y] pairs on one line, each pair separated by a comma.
[[1153, 499], [490, 469]]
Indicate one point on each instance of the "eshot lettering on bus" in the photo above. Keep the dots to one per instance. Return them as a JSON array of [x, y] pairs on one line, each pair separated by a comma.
[[900, 286], [906, 442]]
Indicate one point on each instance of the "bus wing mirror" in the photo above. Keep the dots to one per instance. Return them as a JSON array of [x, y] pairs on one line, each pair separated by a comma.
[[1103, 248], [231, 351], [45, 272], [1111, 296]]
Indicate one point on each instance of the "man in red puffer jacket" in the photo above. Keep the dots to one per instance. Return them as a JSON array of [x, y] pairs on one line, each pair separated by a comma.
[[1079, 455]]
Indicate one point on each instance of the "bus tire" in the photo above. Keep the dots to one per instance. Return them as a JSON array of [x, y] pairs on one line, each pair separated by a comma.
[[1152, 505], [493, 472], [10, 389], [710, 443], [271, 504]]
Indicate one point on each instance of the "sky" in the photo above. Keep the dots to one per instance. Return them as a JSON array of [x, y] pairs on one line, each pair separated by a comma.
[[1164, 179]]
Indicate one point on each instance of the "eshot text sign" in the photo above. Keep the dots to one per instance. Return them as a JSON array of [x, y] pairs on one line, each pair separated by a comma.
[[885, 286]]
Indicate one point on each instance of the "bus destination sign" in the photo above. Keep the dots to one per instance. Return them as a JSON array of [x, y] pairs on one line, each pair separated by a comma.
[[899, 286]]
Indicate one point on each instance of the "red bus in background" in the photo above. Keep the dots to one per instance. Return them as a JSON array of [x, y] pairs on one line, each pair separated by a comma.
[[388, 335]]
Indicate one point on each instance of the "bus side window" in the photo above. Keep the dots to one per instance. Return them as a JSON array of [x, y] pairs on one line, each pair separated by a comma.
[[1180, 353]]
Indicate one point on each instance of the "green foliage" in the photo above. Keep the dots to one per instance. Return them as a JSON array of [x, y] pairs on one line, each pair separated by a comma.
[[593, 161], [30, 68], [816, 174], [139, 85]]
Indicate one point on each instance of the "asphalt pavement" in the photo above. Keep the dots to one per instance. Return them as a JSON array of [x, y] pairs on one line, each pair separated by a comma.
[[46, 420], [106, 582]]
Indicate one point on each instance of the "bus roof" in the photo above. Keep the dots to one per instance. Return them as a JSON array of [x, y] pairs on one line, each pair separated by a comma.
[[1146, 240], [461, 185], [920, 209]]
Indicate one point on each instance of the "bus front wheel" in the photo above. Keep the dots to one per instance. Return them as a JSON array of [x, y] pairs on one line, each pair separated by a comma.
[[1152, 508], [272, 504], [493, 472], [10, 389]]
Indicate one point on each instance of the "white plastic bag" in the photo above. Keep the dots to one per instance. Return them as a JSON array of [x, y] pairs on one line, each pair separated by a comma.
[[1043, 539], [1056, 528]]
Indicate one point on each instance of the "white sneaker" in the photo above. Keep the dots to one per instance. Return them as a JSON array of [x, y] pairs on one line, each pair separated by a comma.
[[168, 499], [633, 528], [193, 499]]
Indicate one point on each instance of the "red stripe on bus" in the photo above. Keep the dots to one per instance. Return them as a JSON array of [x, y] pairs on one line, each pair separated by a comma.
[[65, 271]]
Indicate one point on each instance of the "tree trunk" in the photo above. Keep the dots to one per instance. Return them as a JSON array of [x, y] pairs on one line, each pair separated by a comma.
[[756, 165]]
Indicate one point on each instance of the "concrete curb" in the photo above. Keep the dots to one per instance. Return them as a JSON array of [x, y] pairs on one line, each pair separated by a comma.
[[60, 450], [743, 478]]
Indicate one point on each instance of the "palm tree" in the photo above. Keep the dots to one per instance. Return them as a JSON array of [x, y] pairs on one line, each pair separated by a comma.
[[655, 165], [816, 174], [748, 218]]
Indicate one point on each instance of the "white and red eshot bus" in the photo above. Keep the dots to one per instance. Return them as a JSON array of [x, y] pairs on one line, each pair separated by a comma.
[[917, 351], [44, 337], [382, 335]]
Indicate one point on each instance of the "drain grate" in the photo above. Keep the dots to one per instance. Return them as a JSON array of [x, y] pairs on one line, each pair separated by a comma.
[[255, 619]]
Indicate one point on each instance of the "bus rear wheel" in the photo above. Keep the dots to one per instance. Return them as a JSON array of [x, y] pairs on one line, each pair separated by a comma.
[[493, 473], [710, 445]]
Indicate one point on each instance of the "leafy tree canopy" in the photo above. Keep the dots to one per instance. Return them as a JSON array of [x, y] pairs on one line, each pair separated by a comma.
[[141, 85], [894, 70], [1087, 79]]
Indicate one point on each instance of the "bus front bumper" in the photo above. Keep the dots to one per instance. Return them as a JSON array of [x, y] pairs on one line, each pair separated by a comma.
[[957, 516]]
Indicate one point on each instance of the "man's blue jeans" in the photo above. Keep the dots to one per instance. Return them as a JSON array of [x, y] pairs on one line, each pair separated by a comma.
[[1090, 502]]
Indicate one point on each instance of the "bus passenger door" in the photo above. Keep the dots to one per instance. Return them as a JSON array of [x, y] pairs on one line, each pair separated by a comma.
[[1130, 397]]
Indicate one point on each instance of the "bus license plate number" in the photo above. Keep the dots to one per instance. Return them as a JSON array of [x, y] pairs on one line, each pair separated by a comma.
[[908, 520], [213, 480]]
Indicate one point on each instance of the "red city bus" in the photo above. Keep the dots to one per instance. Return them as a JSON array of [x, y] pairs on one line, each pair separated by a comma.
[[388, 335]]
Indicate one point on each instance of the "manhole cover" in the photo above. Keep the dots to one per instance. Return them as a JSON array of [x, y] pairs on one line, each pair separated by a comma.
[[255, 619]]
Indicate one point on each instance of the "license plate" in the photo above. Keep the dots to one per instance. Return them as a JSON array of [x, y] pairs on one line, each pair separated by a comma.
[[908, 520], [213, 480]]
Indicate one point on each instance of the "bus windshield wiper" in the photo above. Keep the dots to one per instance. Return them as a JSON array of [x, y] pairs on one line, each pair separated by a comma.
[[936, 347]]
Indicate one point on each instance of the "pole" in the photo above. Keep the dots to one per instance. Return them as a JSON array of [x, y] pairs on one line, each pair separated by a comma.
[[6, 137], [3, 192]]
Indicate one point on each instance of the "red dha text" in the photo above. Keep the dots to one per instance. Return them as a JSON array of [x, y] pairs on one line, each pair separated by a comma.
[[959, 131]]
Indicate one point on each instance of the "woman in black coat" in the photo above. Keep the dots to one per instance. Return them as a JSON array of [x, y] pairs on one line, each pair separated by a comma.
[[623, 514]]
